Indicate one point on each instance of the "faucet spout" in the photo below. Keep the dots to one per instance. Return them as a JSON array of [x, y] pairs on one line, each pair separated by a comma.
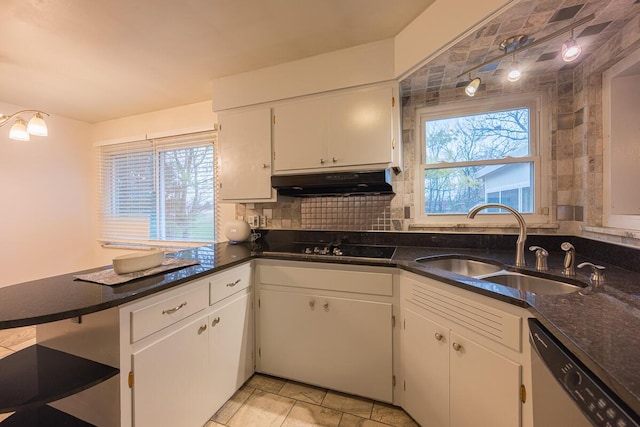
[[522, 233]]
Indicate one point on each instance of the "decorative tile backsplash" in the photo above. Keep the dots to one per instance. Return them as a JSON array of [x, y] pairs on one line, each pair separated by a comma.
[[356, 213]]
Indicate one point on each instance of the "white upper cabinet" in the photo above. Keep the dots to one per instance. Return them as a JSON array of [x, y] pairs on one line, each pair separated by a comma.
[[346, 130], [244, 143]]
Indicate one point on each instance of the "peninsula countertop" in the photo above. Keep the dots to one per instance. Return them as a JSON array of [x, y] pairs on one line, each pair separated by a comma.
[[600, 327]]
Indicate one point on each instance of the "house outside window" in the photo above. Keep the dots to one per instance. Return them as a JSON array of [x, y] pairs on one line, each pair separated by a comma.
[[481, 152], [160, 190]]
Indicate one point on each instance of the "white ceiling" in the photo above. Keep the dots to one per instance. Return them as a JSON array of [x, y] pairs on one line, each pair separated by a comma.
[[94, 60]]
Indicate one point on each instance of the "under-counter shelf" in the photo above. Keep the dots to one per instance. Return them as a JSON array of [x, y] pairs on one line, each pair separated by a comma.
[[43, 416], [38, 375]]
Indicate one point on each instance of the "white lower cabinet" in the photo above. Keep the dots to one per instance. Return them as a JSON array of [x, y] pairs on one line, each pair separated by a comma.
[[458, 368], [171, 384], [230, 348], [186, 350], [338, 340]]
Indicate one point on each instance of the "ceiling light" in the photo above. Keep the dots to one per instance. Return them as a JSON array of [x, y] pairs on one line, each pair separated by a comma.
[[37, 126], [472, 87], [514, 74], [570, 49], [20, 131]]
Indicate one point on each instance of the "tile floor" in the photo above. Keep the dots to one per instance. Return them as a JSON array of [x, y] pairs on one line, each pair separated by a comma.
[[268, 401]]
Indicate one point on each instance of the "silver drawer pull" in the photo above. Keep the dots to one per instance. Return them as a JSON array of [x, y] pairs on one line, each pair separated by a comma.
[[174, 309], [215, 321], [202, 328], [232, 284], [326, 306]]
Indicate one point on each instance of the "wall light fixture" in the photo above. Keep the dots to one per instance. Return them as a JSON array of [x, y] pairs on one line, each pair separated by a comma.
[[21, 130]]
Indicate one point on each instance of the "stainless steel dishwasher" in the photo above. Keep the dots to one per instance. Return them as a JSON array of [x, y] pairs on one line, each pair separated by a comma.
[[565, 392]]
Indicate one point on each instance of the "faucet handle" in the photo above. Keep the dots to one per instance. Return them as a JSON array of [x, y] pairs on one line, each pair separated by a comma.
[[597, 272], [541, 257]]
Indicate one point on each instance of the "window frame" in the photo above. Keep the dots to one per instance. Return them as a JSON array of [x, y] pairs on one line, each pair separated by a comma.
[[157, 146], [538, 155]]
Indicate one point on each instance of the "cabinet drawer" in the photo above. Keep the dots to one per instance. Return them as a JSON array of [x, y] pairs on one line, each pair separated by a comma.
[[327, 279], [229, 282], [165, 312]]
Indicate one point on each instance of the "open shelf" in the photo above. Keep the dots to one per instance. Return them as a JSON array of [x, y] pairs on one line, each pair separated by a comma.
[[38, 375], [43, 416]]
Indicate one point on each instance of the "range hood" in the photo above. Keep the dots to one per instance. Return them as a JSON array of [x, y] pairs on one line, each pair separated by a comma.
[[333, 183]]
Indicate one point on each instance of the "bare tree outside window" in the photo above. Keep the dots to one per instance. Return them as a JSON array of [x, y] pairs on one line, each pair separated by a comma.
[[469, 160]]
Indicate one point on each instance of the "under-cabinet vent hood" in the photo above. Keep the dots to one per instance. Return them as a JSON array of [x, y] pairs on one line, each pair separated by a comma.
[[333, 183]]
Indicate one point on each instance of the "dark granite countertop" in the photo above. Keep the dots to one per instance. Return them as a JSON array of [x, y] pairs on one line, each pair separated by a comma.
[[63, 297], [600, 327]]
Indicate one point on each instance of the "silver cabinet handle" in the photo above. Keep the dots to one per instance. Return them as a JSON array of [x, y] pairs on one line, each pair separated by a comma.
[[215, 321], [264, 166], [312, 304], [322, 161], [334, 160], [232, 284], [456, 346], [439, 336], [202, 328], [326, 306], [174, 309]]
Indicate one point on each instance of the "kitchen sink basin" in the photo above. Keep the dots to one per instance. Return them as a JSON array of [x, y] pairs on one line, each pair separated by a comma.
[[463, 266], [533, 284]]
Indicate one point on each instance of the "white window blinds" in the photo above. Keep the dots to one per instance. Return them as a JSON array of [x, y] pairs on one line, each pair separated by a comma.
[[159, 190]]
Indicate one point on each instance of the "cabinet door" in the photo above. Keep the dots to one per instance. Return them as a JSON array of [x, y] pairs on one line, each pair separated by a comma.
[[425, 361], [170, 385], [338, 343], [300, 135], [485, 386], [245, 154], [230, 349], [360, 131]]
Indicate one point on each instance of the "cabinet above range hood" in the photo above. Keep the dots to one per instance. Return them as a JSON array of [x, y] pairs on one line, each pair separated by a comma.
[[334, 183]]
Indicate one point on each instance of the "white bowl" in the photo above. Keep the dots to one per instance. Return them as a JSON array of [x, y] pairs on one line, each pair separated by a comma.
[[137, 261]]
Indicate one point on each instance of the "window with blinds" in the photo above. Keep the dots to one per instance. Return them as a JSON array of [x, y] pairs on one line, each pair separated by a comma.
[[159, 190]]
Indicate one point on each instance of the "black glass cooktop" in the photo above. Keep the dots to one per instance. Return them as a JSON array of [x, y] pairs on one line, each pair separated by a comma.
[[333, 250]]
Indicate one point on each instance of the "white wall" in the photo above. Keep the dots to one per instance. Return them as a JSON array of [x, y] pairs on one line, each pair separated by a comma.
[[46, 211]]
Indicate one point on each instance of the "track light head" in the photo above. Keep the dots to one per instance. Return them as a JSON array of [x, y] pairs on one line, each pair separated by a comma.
[[472, 87]]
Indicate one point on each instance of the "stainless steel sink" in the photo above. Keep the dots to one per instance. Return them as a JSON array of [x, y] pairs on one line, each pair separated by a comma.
[[463, 266], [533, 284]]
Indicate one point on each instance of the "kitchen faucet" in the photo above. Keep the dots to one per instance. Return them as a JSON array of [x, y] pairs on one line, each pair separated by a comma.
[[569, 264], [522, 234]]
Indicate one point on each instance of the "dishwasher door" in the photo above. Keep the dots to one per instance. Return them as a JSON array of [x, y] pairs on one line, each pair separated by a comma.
[[552, 405], [565, 393]]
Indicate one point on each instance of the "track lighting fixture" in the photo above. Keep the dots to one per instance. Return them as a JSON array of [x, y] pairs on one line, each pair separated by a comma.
[[20, 130], [570, 49], [516, 44], [473, 86]]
